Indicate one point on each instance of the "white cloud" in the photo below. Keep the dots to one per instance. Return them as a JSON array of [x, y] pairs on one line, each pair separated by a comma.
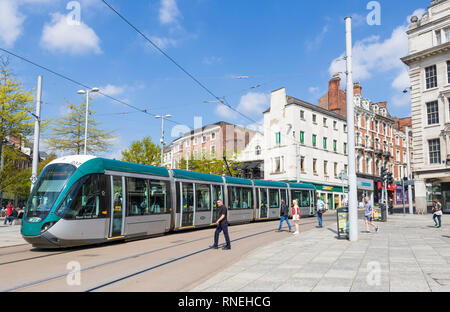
[[225, 112], [253, 103], [61, 36], [112, 90], [209, 60], [318, 39], [169, 12], [164, 42], [402, 81], [10, 22], [314, 90], [250, 104], [401, 100], [372, 55]]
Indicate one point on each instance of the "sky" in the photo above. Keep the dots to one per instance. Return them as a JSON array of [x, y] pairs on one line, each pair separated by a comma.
[[238, 49]]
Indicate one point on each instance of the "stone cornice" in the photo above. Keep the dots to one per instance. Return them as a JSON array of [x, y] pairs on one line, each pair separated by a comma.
[[418, 56]]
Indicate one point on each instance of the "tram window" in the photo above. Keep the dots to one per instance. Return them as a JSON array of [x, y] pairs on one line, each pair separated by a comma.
[[234, 197], [178, 187], [89, 201], [137, 197], [284, 196], [263, 195], [306, 200], [247, 198], [274, 198], [68, 200], [217, 194], [203, 193], [159, 197], [188, 197]]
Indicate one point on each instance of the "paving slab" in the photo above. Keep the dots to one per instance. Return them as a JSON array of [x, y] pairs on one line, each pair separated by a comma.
[[407, 254]]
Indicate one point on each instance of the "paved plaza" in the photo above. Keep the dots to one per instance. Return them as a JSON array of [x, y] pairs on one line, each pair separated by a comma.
[[10, 235], [407, 254]]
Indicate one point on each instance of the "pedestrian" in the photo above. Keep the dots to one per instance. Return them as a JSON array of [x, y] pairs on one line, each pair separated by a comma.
[[368, 215], [321, 209], [437, 213], [284, 213], [222, 225], [10, 218], [9, 210], [296, 216]]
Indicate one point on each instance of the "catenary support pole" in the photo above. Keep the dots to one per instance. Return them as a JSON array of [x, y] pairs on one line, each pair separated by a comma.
[[37, 130], [86, 122], [352, 192], [408, 160]]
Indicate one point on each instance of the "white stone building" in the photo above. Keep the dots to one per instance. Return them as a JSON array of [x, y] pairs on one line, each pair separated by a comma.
[[429, 72], [320, 136]]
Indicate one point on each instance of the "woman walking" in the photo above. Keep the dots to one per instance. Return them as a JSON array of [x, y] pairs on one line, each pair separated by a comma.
[[296, 216], [437, 213]]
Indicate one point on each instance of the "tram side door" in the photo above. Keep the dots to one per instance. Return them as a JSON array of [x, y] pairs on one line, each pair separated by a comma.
[[188, 204], [263, 203], [216, 195], [118, 199]]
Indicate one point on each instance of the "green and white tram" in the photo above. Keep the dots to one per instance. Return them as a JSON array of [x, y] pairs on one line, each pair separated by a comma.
[[82, 200]]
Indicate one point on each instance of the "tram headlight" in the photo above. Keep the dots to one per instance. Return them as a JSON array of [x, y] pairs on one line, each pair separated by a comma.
[[47, 226]]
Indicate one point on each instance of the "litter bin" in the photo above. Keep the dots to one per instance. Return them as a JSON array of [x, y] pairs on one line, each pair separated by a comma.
[[379, 212], [342, 223]]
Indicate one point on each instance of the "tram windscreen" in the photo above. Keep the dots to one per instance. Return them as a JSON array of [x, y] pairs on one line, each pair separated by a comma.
[[47, 189]]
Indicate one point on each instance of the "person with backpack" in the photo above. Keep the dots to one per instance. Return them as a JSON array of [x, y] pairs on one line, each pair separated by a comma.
[[437, 213], [284, 213], [321, 209]]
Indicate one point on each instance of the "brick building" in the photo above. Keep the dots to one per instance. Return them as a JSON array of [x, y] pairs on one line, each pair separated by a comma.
[[211, 141], [380, 139]]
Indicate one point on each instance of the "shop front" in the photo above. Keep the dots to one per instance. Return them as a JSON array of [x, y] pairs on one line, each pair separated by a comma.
[[333, 196], [365, 189], [441, 192]]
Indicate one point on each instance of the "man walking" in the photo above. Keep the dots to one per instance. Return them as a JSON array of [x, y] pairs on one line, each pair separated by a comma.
[[320, 210], [222, 225], [284, 213], [369, 215]]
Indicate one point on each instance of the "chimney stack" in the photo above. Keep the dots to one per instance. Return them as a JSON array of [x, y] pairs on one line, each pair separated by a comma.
[[357, 88]]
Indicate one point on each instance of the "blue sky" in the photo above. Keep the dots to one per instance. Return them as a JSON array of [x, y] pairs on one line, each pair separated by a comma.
[[289, 43]]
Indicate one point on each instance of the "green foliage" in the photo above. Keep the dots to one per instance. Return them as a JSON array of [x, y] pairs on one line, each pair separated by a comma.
[[143, 152], [13, 179], [68, 132], [15, 107], [211, 165]]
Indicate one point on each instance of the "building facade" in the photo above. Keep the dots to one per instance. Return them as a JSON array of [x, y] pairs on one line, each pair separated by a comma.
[[211, 141], [380, 139], [306, 143], [429, 72]]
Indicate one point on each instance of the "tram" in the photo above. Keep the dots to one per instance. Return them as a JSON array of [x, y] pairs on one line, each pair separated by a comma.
[[84, 200]]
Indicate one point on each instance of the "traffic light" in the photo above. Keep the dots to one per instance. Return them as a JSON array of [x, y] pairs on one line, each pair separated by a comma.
[[390, 179], [405, 187], [383, 174]]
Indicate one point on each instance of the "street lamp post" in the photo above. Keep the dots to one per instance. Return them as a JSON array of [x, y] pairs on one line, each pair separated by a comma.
[[162, 135], [352, 192], [87, 114]]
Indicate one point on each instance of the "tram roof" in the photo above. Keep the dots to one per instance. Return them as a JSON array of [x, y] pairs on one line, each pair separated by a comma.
[[302, 186], [102, 164], [233, 180], [190, 175], [270, 183]]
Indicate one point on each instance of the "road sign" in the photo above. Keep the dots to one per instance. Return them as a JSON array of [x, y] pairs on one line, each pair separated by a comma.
[[408, 182]]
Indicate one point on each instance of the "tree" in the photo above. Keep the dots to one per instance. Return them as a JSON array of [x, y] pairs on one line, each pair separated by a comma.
[[68, 132], [15, 107], [17, 181], [211, 165], [143, 152]]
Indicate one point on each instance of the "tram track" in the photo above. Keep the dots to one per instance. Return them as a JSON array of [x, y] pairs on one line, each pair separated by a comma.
[[130, 257]]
